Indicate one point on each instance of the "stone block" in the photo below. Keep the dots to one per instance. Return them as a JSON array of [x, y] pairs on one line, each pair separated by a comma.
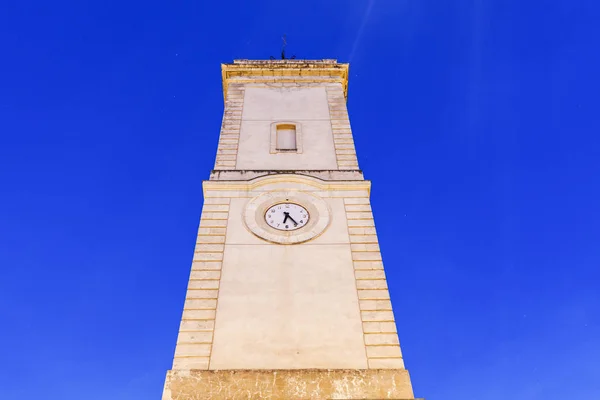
[[200, 275], [195, 337], [365, 264], [210, 239], [204, 284], [200, 304], [202, 231], [340, 124], [358, 208], [379, 327], [338, 114], [190, 363], [381, 294], [383, 316], [371, 284], [344, 146], [366, 256], [209, 247], [228, 141], [198, 314], [369, 274], [372, 305], [373, 339], [229, 134], [226, 157], [224, 165], [208, 256], [226, 152], [202, 294], [366, 384], [206, 265], [217, 200], [339, 117], [365, 247], [362, 231], [215, 208], [339, 152], [386, 363], [223, 146], [192, 350], [363, 238], [360, 223], [338, 131], [357, 201], [344, 140], [213, 223], [196, 325], [384, 351], [359, 215]]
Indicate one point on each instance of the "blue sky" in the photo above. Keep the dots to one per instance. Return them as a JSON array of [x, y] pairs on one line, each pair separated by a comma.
[[477, 122]]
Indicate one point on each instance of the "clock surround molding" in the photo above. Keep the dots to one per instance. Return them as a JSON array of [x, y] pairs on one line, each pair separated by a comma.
[[254, 220]]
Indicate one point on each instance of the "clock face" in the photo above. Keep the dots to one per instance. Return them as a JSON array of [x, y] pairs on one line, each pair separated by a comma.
[[286, 216]]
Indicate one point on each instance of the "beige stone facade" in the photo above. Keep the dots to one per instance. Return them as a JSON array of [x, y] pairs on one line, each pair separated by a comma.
[[312, 93], [284, 315]]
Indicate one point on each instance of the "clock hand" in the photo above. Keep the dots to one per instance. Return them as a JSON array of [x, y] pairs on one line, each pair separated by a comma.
[[293, 220], [287, 215]]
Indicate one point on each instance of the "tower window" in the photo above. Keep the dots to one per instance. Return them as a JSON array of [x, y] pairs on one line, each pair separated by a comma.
[[286, 137]]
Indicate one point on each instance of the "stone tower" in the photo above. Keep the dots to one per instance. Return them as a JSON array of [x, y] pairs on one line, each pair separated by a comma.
[[287, 297]]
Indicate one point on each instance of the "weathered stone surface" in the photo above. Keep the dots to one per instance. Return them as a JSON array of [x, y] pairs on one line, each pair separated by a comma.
[[288, 384], [269, 321]]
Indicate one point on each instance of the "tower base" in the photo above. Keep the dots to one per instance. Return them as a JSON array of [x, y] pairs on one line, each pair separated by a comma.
[[288, 384]]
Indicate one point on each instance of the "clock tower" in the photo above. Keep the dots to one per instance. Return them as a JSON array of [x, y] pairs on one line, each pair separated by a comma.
[[287, 296]]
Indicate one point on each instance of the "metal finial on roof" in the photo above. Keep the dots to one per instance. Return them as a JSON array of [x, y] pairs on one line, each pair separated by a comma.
[[283, 46]]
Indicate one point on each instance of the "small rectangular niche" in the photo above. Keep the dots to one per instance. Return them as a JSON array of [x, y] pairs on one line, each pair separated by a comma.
[[286, 137]]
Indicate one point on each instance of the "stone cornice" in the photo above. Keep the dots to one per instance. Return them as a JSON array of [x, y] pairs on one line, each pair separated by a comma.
[[285, 71], [324, 175], [285, 178]]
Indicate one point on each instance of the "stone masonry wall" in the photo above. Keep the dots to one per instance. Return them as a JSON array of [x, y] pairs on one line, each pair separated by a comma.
[[232, 118], [340, 125], [230, 128], [194, 344], [379, 328]]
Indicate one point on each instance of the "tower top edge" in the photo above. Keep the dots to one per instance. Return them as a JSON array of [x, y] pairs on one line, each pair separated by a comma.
[[326, 70], [326, 61]]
